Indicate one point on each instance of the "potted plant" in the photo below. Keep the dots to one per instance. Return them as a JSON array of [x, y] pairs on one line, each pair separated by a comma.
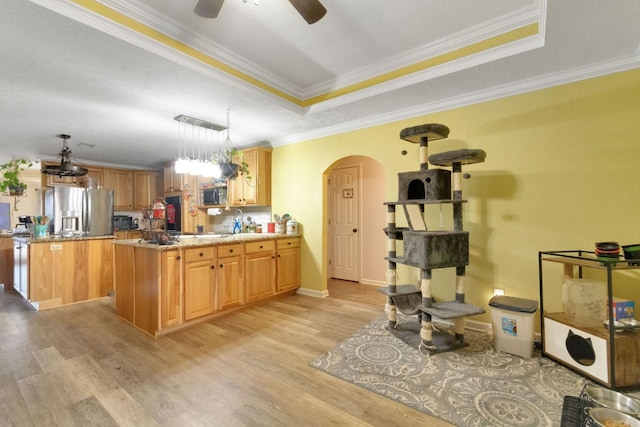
[[231, 163], [10, 176]]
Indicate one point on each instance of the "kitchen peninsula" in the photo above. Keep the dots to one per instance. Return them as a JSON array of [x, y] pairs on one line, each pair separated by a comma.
[[164, 288], [54, 271]]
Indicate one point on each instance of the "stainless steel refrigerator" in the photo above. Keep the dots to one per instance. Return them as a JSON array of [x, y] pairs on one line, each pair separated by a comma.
[[73, 210]]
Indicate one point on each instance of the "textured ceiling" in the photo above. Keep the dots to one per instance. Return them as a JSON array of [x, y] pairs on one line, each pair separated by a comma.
[[113, 74]]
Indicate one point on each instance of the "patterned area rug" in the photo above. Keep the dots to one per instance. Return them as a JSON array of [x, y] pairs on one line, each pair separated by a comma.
[[472, 386]]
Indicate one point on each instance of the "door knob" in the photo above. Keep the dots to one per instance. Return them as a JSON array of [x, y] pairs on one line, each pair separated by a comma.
[[355, 230]]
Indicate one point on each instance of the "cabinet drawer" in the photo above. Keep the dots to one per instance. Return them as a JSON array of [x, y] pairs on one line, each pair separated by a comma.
[[263, 246], [230, 250], [289, 243], [197, 254]]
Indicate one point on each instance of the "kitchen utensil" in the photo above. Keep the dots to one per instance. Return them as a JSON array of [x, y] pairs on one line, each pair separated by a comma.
[[605, 398], [607, 246], [600, 416], [632, 253]]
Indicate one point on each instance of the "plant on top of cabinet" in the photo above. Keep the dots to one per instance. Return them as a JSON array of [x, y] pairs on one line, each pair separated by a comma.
[[10, 173]]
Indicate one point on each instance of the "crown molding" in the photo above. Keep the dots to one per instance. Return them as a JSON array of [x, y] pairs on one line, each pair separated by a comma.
[[625, 63], [148, 17]]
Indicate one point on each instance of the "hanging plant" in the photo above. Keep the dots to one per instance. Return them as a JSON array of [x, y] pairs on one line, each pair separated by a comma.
[[231, 163], [10, 172]]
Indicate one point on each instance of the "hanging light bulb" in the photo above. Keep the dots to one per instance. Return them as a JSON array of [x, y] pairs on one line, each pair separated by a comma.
[[195, 165], [208, 170], [181, 164]]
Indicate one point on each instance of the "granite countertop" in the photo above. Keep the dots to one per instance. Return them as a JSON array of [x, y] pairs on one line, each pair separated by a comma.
[[206, 240], [28, 239]]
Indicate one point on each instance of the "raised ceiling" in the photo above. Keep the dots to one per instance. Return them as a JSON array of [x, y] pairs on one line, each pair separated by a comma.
[[114, 73]]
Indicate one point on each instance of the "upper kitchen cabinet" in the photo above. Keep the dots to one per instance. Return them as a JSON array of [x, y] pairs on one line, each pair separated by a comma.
[[144, 189], [172, 180], [257, 190], [121, 182]]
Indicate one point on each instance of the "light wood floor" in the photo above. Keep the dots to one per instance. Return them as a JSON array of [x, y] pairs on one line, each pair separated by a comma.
[[82, 366]]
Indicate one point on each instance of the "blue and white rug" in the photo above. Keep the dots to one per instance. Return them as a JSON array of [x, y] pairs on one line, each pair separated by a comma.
[[472, 386]]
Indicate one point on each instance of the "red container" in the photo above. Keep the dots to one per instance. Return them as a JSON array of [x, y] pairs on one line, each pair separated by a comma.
[[271, 227]]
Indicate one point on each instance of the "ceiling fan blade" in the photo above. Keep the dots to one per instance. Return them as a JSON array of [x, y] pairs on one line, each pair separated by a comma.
[[311, 10], [208, 8]]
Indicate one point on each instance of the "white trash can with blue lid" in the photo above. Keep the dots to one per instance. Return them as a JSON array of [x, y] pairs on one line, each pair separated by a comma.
[[512, 324]]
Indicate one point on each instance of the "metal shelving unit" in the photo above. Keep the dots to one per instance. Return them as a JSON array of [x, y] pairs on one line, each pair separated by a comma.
[[609, 356]]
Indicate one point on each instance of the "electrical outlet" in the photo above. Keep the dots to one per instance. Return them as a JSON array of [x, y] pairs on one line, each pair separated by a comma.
[[55, 247]]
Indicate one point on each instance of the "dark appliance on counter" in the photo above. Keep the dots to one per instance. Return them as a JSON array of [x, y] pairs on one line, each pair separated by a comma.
[[214, 196], [122, 222], [174, 213], [79, 211]]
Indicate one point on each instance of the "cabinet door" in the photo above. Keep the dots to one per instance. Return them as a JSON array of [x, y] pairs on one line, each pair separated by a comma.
[[260, 276], [6, 262], [144, 189], [230, 284], [172, 180], [120, 181], [288, 269], [55, 180], [171, 289], [257, 190], [199, 283], [20, 260], [92, 179]]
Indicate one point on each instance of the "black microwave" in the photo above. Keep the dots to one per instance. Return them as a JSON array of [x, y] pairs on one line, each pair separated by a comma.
[[214, 196]]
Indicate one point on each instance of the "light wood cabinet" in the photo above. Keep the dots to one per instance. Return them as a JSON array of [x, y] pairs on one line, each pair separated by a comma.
[[199, 282], [257, 190], [230, 275], [288, 264], [172, 180], [6, 262], [127, 234], [163, 289], [121, 182], [260, 270], [144, 189], [67, 272], [171, 289]]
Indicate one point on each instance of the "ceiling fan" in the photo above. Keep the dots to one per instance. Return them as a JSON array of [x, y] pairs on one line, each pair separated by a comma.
[[310, 10]]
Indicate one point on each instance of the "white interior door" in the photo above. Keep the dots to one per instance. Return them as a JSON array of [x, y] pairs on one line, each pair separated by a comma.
[[345, 213]]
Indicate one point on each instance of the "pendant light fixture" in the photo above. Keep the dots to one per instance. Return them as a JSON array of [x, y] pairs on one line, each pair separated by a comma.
[[65, 168], [184, 164], [181, 164]]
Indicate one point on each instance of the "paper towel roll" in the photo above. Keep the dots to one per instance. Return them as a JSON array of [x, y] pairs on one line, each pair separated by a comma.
[[214, 211]]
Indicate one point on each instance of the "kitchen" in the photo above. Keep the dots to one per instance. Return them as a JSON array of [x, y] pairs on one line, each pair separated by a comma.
[[75, 254]]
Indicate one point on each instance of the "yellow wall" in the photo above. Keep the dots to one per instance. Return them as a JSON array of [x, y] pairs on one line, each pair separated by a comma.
[[561, 173]]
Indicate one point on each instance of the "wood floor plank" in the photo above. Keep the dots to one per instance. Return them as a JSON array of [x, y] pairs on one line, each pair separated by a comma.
[[82, 365]]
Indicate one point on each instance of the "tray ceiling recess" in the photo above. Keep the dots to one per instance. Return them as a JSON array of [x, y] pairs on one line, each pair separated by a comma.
[[150, 29]]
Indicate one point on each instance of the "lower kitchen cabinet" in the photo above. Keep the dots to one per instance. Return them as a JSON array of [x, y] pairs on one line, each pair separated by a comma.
[[288, 257], [161, 289], [6, 262], [230, 275], [199, 282], [260, 274], [171, 289], [52, 273]]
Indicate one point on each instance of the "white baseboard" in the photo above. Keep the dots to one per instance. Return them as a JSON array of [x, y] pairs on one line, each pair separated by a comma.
[[313, 293]]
